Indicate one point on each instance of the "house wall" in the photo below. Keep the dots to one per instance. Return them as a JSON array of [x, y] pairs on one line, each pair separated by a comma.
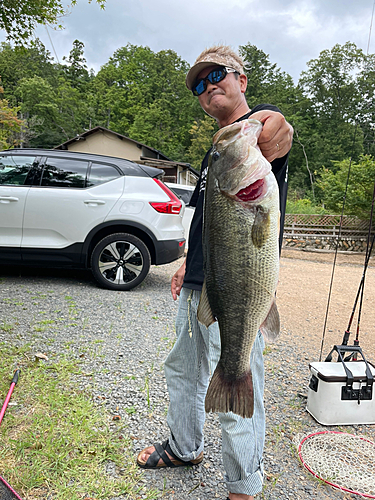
[[184, 176], [107, 144]]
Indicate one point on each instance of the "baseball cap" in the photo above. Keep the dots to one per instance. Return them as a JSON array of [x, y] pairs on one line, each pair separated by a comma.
[[218, 55]]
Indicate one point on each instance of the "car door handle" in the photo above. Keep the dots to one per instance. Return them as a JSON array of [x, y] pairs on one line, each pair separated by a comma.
[[94, 202], [8, 199]]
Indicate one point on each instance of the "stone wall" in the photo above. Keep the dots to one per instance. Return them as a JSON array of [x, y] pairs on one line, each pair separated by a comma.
[[325, 243]]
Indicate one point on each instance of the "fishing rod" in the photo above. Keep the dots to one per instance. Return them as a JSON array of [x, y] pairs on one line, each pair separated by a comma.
[[355, 349], [362, 283], [359, 292], [368, 253]]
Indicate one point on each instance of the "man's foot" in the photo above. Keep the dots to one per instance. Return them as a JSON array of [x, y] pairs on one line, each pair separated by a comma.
[[145, 455], [161, 455]]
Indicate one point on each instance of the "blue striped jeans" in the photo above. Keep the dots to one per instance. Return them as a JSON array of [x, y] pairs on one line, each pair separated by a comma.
[[188, 367]]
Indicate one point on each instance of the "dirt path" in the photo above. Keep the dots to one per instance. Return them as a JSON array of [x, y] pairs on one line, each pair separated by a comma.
[[303, 293]]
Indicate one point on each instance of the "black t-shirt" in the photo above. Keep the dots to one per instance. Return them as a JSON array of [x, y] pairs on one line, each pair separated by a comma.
[[194, 275]]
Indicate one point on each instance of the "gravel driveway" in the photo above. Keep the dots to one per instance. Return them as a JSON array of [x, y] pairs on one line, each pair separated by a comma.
[[123, 338]]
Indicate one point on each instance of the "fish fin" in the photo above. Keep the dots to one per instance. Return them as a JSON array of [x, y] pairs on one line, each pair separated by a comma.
[[261, 227], [204, 313], [230, 394], [270, 327]]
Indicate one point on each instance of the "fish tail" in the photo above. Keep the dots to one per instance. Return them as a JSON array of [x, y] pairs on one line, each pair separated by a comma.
[[227, 394]]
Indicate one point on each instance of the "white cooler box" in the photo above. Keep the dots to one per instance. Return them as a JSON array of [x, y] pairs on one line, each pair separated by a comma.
[[336, 399]]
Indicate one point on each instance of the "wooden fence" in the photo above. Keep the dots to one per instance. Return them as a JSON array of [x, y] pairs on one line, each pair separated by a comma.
[[327, 226]]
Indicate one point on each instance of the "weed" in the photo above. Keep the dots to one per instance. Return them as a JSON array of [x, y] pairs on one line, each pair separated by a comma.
[[14, 302], [72, 306], [55, 442], [6, 327], [267, 350], [278, 432]]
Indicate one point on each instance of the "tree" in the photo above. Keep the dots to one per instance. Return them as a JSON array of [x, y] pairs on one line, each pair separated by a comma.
[[202, 132], [333, 83], [269, 84], [266, 82], [53, 115], [20, 62], [20, 18], [142, 94], [10, 125], [360, 186], [76, 71]]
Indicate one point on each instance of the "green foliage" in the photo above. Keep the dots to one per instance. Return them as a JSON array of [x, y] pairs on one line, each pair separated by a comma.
[[10, 125], [267, 83], [304, 206], [142, 94], [76, 71], [360, 186], [19, 19], [55, 101], [57, 443], [201, 133]]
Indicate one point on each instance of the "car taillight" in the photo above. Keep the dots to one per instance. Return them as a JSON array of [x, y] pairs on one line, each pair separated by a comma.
[[173, 206]]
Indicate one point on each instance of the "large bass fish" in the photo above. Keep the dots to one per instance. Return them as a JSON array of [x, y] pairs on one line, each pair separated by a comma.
[[241, 260]]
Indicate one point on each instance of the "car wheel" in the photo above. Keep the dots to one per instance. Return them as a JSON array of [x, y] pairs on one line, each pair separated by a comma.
[[120, 261]]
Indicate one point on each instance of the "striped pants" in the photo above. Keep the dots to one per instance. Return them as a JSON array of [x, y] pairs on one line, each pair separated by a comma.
[[188, 367]]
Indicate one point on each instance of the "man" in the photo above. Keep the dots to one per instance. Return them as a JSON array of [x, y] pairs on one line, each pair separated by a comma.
[[218, 80]]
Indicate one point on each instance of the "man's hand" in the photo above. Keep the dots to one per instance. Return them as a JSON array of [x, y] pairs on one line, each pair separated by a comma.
[[276, 137], [177, 280]]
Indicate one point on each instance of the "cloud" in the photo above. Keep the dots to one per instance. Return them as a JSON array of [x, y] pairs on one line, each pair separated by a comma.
[[292, 32]]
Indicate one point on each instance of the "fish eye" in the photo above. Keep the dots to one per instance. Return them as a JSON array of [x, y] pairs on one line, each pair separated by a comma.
[[215, 155]]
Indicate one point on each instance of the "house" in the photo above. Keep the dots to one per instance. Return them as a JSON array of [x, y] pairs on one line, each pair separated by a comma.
[[100, 140]]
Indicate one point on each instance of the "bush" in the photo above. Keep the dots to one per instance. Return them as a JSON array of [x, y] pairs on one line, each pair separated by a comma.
[[304, 206]]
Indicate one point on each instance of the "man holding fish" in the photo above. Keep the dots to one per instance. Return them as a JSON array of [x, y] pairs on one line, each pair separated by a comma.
[[228, 282]]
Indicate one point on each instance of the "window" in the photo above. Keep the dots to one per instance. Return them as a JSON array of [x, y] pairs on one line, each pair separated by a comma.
[[14, 169], [183, 194], [101, 173], [64, 173]]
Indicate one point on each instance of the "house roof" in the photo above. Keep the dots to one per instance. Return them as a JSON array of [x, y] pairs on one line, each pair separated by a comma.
[[161, 161], [152, 162], [85, 134]]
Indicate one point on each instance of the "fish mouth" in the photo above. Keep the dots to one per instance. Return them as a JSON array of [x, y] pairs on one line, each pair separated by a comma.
[[251, 192]]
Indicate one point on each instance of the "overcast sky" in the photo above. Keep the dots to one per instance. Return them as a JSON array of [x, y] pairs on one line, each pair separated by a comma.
[[292, 32]]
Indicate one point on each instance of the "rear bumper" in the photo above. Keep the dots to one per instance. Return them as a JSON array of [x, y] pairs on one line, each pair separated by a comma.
[[168, 251]]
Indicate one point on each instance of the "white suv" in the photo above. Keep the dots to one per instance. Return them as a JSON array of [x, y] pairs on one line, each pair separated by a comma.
[[59, 208], [184, 192]]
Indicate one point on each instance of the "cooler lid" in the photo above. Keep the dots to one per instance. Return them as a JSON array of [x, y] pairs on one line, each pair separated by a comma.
[[335, 372]]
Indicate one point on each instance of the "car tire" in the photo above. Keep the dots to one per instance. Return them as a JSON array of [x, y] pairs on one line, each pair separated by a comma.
[[120, 261]]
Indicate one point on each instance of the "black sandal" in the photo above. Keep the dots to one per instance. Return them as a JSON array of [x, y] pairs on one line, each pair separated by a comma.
[[160, 453]]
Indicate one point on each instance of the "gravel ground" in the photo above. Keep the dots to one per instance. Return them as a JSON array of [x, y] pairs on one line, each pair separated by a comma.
[[122, 339]]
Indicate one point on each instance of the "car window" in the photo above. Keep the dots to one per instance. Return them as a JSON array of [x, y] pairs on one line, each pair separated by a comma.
[[101, 173], [64, 172], [183, 194], [14, 169]]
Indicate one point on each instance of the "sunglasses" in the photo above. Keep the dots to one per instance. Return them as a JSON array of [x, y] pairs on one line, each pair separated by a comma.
[[215, 76]]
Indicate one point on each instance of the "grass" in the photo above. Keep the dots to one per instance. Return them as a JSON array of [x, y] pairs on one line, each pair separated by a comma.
[[55, 442]]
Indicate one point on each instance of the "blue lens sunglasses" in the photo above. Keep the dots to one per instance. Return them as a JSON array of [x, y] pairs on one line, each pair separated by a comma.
[[215, 76]]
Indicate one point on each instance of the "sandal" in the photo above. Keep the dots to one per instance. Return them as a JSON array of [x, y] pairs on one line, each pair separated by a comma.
[[160, 453]]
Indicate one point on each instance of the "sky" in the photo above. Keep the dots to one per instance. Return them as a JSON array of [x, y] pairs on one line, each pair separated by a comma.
[[291, 32]]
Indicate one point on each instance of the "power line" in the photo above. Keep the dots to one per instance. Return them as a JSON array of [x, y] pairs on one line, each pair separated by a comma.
[[50, 39], [369, 36]]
